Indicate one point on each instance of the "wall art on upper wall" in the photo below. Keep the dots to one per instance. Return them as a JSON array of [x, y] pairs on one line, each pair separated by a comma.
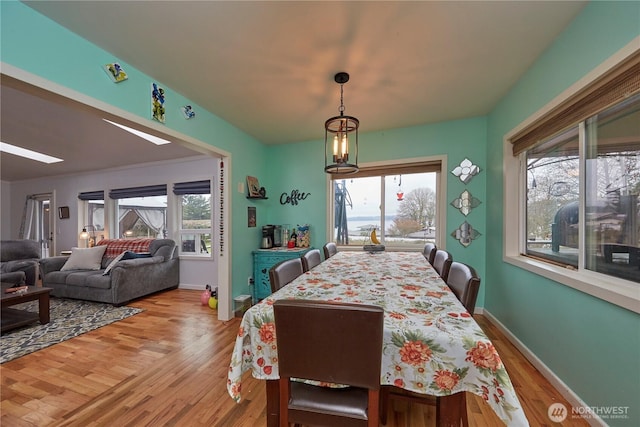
[[465, 234], [157, 103], [115, 72], [187, 112], [466, 171], [63, 212], [251, 216], [253, 186], [465, 202]]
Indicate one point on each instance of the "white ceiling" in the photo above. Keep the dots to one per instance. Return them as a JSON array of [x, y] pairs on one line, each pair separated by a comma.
[[267, 67]]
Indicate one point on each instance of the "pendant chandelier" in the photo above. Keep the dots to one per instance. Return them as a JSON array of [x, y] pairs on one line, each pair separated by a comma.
[[341, 138]]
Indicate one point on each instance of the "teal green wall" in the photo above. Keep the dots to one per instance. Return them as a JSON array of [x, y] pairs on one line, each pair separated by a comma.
[[591, 345], [301, 166], [36, 44]]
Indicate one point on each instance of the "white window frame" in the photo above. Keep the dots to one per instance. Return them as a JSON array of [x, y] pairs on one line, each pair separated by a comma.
[[623, 293], [177, 203], [441, 196]]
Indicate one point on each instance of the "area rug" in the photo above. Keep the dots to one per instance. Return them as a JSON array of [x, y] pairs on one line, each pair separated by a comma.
[[69, 318]]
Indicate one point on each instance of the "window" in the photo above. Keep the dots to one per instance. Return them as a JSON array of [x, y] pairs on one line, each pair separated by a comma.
[[576, 199], [195, 217], [608, 239], [93, 207], [399, 201], [141, 211]]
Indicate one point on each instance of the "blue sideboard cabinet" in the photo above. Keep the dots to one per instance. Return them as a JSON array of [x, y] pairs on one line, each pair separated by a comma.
[[263, 260]]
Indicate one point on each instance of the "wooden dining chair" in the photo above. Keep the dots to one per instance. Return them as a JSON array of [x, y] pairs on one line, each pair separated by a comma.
[[429, 252], [330, 249], [442, 262], [465, 283], [310, 259], [284, 272], [330, 342]]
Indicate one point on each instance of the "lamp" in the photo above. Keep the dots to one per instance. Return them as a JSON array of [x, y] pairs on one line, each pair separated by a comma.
[[337, 131], [89, 235]]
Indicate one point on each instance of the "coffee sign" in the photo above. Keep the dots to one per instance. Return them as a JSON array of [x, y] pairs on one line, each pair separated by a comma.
[[293, 198]]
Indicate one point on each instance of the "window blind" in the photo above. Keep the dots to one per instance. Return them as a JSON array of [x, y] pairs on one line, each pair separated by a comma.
[[613, 87], [91, 195], [146, 191], [193, 187], [395, 169]]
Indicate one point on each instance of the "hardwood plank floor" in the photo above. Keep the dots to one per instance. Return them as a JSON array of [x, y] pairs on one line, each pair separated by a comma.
[[167, 366]]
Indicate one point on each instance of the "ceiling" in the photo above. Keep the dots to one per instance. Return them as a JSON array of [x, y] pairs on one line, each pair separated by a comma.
[[267, 67]]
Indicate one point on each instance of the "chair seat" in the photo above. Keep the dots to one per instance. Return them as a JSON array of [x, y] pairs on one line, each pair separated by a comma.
[[350, 401]]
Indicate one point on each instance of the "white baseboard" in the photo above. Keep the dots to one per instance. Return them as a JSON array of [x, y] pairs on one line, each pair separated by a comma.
[[190, 287], [575, 401]]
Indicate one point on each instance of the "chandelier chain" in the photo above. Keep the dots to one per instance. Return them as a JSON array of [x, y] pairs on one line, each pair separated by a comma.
[[341, 100]]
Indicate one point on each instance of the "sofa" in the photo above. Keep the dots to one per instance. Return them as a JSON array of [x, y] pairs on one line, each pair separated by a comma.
[[115, 271], [19, 261]]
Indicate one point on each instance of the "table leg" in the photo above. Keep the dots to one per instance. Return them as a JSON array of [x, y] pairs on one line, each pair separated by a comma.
[[43, 308], [273, 403], [451, 411]]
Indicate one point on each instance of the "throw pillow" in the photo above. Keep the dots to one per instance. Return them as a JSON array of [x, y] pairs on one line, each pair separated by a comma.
[[84, 258], [113, 263]]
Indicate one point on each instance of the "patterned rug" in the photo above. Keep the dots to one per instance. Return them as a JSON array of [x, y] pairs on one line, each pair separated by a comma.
[[69, 318]]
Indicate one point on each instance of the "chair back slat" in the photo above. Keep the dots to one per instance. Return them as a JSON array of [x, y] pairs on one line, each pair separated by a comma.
[[465, 283], [442, 263], [310, 259], [326, 341], [330, 249], [429, 252], [284, 272]]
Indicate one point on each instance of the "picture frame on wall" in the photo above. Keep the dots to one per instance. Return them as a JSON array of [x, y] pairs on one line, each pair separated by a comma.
[[63, 212], [251, 216], [253, 186]]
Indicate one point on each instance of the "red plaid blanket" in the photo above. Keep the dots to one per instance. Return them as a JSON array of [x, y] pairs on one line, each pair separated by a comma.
[[116, 246]]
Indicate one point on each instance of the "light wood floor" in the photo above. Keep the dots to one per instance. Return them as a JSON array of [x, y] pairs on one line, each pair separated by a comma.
[[168, 367]]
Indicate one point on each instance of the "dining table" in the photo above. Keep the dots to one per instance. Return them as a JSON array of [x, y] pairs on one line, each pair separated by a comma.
[[431, 344]]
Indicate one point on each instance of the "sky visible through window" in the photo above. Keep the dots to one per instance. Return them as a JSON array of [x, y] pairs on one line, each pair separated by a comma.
[[365, 198]]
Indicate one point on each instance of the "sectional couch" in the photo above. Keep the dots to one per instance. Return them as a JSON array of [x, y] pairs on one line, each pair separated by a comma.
[[115, 271]]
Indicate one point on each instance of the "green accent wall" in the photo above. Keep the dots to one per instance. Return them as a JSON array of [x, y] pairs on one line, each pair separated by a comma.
[[301, 166], [591, 345]]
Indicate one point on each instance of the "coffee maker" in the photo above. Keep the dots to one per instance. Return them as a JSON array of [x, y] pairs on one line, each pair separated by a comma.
[[267, 237]]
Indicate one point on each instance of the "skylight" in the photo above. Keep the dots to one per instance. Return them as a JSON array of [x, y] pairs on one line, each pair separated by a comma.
[[29, 154], [150, 138]]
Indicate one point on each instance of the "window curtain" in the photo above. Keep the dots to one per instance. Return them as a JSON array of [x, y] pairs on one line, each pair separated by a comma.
[[29, 224], [154, 219]]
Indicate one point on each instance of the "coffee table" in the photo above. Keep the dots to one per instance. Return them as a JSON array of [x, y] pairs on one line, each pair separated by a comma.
[[14, 318]]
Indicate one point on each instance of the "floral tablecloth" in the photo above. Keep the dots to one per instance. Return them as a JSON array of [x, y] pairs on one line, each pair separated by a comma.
[[431, 344]]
